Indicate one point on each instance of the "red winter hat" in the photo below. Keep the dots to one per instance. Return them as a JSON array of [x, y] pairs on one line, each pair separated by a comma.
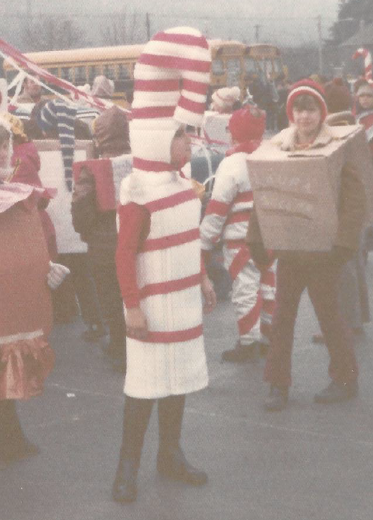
[[247, 124], [311, 88]]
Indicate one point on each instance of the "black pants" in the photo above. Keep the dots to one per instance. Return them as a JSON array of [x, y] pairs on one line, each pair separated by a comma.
[[12, 438], [110, 300], [79, 285]]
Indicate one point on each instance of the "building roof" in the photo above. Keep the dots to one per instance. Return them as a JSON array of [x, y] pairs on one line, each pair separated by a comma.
[[363, 38]]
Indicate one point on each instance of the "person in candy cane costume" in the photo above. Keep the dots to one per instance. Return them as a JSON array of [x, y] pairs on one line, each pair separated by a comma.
[[159, 256], [227, 218]]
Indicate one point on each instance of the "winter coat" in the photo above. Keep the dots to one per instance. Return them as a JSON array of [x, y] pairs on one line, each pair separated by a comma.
[[97, 228]]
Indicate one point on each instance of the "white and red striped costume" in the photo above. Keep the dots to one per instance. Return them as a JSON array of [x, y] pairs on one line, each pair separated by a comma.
[[227, 219], [172, 359], [364, 53]]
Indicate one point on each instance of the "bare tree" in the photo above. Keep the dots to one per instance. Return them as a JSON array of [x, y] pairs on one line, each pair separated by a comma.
[[124, 28], [51, 33]]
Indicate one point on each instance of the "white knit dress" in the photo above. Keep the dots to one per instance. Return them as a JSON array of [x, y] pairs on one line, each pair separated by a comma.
[[172, 360]]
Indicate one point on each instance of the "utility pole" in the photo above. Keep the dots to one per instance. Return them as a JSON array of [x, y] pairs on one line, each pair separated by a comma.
[[148, 35], [320, 41], [28, 18], [257, 27]]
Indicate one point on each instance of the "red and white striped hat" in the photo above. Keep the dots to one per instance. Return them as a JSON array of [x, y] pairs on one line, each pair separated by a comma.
[[171, 81], [311, 88]]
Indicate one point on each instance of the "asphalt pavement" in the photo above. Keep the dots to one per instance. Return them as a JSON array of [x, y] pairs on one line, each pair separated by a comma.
[[307, 462]]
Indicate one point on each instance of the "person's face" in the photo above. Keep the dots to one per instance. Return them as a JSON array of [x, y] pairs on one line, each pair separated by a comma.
[[181, 150], [366, 100], [32, 88], [4, 148], [307, 120]]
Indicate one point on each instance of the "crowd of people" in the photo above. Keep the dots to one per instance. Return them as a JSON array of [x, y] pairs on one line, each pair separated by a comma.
[[142, 274]]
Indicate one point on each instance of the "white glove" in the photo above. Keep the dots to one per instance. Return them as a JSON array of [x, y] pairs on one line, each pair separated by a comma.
[[57, 274]]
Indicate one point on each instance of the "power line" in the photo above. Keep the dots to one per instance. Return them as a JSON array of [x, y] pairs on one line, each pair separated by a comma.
[[119, 14]]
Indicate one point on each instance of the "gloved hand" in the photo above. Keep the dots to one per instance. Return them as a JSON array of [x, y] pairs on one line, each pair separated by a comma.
[[341, 255], [259, 254], [57, 274]]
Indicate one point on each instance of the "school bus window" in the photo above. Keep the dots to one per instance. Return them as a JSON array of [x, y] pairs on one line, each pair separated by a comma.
[[123, 72], [217, 67], [80, 75], [250, 66], [233, 72], [66, 73], [53, 70], [109, 71], [93, 71], [277, 65]]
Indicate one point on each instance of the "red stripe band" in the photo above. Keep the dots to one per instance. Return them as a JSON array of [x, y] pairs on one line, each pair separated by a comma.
[[269, 278], [246, 196], [192, 106], [239, 262], [171, 201], [246, 323], [195, 86], [215, 207], [183, 39], [234, 244], [174, 62], [151, 166], [157, 85], [176, 336], [241, 216], [171, 286], [152, 112], [155, 244]]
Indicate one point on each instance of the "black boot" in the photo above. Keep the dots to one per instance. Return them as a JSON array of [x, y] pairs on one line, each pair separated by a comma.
[[171, 461], [14, 445], [337, 392], [136, 418]]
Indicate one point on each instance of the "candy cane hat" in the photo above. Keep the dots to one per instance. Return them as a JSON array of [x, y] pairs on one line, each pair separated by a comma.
[[171, 82], [311, 88]]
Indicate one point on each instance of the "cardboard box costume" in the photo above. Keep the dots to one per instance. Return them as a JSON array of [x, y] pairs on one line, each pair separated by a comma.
[[296, 192]]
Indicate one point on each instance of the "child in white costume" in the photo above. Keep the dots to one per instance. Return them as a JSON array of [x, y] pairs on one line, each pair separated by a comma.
[[227, 219], [159, 255]]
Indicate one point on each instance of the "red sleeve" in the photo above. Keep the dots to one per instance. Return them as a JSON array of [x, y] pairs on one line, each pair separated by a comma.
[[134, 224]]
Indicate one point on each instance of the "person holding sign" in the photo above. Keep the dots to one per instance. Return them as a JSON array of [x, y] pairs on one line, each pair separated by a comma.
[[311, 265]]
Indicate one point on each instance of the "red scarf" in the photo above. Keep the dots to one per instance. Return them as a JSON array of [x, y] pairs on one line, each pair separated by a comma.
[[247, 147]]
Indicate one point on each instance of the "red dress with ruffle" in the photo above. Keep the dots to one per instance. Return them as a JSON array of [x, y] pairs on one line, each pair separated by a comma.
[[26, 358]]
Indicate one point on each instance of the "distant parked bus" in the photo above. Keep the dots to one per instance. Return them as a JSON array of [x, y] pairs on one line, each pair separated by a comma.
[[233, 63]]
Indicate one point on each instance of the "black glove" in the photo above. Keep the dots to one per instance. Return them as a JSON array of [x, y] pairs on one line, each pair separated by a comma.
[[259, 254], [341, 255]]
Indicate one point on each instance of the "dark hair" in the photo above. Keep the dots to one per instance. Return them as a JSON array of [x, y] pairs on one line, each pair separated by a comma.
[[4, 135], [306, 102]]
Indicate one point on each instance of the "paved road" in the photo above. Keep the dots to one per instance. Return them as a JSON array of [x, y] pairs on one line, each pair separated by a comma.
[[307, 462]]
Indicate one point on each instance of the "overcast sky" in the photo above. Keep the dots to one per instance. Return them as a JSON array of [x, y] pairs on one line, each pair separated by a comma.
[[279, 21]]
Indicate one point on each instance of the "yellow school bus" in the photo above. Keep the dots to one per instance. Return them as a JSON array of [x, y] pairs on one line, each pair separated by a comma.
[[233, 63]]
